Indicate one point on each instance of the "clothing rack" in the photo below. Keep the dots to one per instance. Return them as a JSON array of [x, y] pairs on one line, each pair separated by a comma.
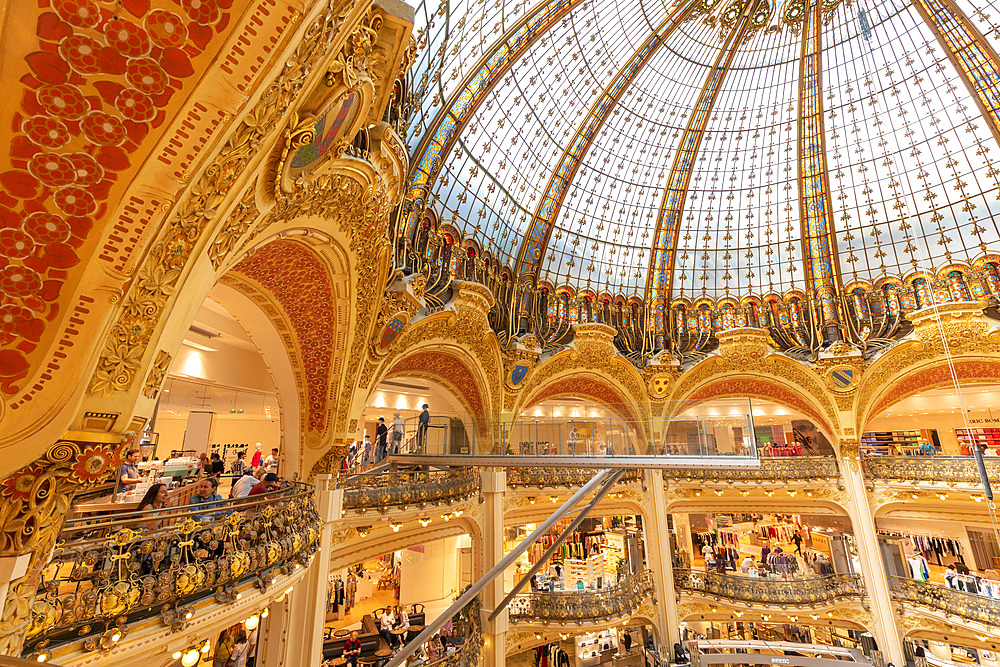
[[929, 546]]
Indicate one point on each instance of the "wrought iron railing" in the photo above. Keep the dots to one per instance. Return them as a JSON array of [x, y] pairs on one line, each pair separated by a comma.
[[806, 591], [597, 605], [543, 477], [470, 652], [782, 468], [109, 571], [949, 600], [929, 468], [399, 489]]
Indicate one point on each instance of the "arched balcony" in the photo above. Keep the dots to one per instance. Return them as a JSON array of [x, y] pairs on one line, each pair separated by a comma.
[[964, 604], [584, 606], [773, 469], [409, 489], [953, 469], [771, 591], [554, 477], [109, 572]]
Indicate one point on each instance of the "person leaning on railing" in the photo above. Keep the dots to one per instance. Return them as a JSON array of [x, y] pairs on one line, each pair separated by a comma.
[[268, 483], [207, 495], [250, 479], [156, 499]]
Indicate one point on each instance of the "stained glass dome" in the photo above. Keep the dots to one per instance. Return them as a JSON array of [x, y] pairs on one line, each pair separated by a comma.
[[701, 149]]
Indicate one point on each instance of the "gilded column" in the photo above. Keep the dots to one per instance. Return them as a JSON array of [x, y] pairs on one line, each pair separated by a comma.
[[494, 487], [886, 629], [977, 63], [661, 262], [815, 207], [34, 504], [308, 615], [661, 562]]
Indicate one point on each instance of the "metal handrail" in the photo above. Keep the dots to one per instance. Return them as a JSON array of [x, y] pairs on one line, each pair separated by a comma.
[[782, 468], [394, 489], [969, 606], [808, 590], [604, 603], [929, 468], [107, 573]]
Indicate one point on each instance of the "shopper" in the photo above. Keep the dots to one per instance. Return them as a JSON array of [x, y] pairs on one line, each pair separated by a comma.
[[797, 541], [927, 448], [366, 452], [271, 462], [423, 423], [627, 641], [268, 483], [241, 489], [402, 621], [217, 466], [386, 621], [128, 476], [747, 565], [156, 499], [208, 495], [239, 465], [381, 440], [241, 650], [398, 433], [205, 464], [352, 649]]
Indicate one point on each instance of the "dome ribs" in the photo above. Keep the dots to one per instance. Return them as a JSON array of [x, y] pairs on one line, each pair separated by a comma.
[[532, 251], [455, 114], [660, 277], [819, 243]]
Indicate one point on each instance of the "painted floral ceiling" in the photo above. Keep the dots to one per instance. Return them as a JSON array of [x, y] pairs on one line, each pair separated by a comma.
[[549, 133]]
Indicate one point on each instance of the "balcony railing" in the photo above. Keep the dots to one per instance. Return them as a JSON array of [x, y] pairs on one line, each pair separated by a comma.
[[808, 591], [109, 571], [788, 468], [949, 600], [543, 477], [597, 605], [400, 489], [929, 468]]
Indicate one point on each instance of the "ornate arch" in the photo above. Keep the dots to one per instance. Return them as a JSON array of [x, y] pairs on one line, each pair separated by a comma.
[[350, 547], [756, 386], [455, 370], [932, 376], [585, 384]]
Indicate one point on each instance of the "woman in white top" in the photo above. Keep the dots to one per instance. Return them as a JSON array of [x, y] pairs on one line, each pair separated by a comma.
[[241, 650], [398, 434]]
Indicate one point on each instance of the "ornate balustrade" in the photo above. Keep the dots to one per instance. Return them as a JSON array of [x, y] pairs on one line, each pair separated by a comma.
[[598, 605], [929, 468], [543, 477], [786, 468], [470, 652], [107, 572], [808, 591], [400, 489], [949, 600]]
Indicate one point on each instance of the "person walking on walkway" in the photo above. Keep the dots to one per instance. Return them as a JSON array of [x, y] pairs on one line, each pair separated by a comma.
[[423, 423]]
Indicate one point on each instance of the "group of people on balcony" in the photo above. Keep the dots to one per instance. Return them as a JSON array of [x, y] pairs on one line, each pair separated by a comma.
[[389, 440]]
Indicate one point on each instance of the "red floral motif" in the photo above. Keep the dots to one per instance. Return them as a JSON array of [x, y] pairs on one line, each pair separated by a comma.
[[74, 201], [11, 315], [15, 244], [82, 53], [47, 132], [103, 129], [19, 281], [63, 100], [301, 284], [127, 38], [46, 228], [204, 12], [19, 485], [93, 462], [81, 13], [165, 28], [135, 106], [88, 172], [51, 169], [147, 76]]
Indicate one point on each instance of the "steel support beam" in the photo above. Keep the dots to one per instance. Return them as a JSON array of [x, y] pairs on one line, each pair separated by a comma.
[[497, 570], [563, 536]]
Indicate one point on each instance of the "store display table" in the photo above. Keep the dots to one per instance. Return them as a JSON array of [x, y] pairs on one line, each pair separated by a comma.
[[633, 659]]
